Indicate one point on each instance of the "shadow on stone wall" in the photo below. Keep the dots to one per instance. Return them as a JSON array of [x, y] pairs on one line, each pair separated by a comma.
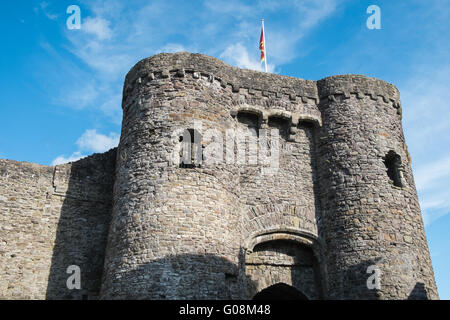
[[321, 276], [184, 276], [308, 260], [85, 190], [355, 280], [312, 133], [419, 292]]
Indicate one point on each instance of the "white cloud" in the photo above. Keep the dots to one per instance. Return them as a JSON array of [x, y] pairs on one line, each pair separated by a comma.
[[172, 48], [97, 142], [112, 106], [313, 11], [78, 96], [432, 181], [77, 88], [44, 8], [62, 159], [435, 206], [433, 173], [108, 61], [98, 27], [237, 55], [90, 141]]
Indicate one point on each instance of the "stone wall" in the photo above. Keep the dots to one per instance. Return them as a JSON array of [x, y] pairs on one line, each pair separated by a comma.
[[51, 218], [27, 229]]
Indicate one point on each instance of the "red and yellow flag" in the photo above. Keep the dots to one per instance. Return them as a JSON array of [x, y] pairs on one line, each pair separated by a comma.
[[261, 45]]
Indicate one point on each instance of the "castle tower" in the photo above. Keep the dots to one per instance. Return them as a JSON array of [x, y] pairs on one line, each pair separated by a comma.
[[372, 223], [339, 199], [175, 230]]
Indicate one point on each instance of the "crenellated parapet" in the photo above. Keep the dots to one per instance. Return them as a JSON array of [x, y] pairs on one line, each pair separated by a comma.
[[201, 66], [244, 86], [342, 87]]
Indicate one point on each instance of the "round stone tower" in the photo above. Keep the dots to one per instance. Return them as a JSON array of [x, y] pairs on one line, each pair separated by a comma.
[[175, 229], [372, 225]]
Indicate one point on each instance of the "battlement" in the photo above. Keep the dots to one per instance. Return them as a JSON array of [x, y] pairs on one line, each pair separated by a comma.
[[165, 65], [255, 83]]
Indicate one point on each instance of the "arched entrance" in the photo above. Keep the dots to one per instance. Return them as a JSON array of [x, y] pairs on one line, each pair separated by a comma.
[[280, 291], [279, 260]]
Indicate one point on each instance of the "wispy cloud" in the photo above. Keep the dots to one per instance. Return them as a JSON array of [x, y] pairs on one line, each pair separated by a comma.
[[432, 180], [90, 141], [172, 48], [97, 142], [98, 27], [72, 158], [435, 206], [44, 8], [425, 99], [237, 55], [432, 174]]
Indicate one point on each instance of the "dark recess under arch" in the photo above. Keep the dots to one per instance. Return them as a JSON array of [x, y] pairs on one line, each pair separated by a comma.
[[280, 291]]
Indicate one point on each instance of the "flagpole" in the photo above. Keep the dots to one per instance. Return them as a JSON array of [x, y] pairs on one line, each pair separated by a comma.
[[264, 41]]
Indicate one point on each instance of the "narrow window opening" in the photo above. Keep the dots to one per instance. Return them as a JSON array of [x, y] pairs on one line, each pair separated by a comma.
[[247, 135], [282, 124], [250, 120], [393, 164], [191, 154], [308, 127], [306, 124]]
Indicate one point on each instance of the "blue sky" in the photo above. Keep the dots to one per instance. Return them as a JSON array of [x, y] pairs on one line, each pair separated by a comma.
[[61, 89]]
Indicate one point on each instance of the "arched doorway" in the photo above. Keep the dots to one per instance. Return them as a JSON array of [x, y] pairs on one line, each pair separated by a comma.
[[283, 268], [280, 291]]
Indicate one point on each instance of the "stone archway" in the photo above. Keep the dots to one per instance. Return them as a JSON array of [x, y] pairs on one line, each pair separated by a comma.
[[282, 259], [280, 291]]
